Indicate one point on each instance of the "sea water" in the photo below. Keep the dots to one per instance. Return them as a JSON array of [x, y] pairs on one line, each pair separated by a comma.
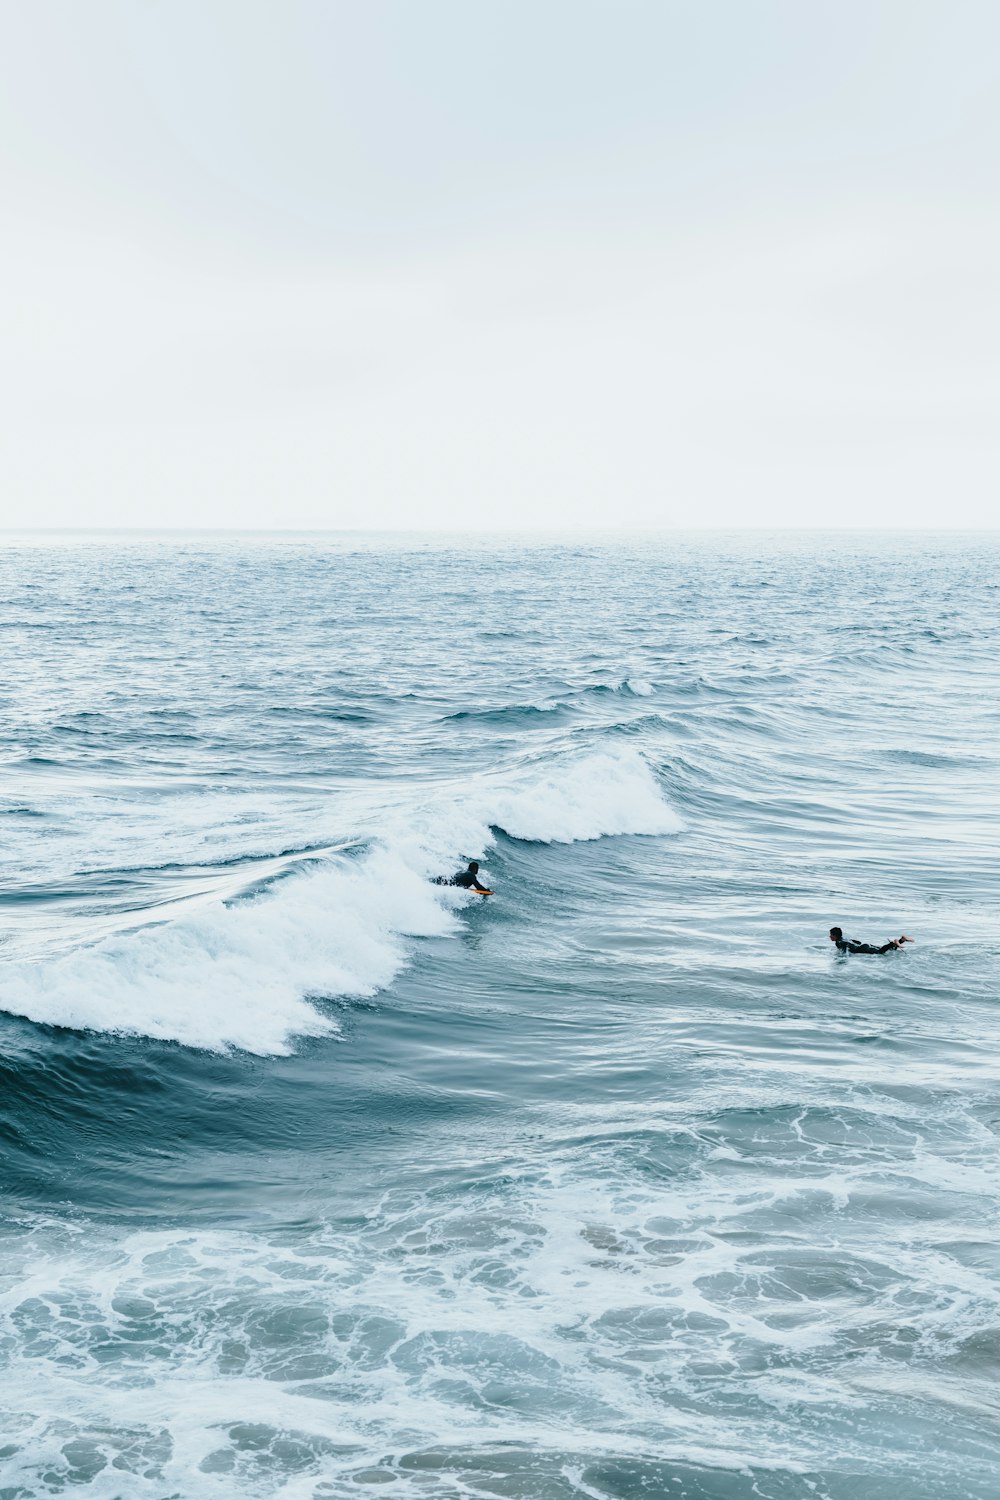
[[321, 1181]]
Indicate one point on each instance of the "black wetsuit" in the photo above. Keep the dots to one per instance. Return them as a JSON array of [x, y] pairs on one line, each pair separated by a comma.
[[465, 879], [851, 945]]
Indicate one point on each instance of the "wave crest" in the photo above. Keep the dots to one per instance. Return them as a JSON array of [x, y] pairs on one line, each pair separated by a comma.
[[596, 797]]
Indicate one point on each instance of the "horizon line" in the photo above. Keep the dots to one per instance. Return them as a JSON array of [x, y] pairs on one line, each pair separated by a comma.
[[568, 529]]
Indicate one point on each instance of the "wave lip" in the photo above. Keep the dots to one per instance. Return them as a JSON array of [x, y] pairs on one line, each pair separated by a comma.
[[599, 796]]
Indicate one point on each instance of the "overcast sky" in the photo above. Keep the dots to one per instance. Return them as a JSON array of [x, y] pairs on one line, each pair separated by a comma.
[[499, 263]]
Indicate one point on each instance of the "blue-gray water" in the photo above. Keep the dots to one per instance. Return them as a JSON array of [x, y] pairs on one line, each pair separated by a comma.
[[321, 1181]]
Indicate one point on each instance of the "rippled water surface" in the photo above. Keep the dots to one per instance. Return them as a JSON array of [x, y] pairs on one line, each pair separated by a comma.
[[320, 1180]]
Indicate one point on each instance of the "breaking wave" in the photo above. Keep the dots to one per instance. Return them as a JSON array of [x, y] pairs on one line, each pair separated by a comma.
[[252, 974]]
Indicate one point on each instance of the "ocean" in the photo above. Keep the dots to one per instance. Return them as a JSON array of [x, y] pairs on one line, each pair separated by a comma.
[[319, 1180]]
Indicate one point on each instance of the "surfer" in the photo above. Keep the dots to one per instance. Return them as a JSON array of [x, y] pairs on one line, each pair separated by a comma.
[[851, 945], [468, 879]]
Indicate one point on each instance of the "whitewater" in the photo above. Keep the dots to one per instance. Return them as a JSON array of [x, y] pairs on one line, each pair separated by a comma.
[[238, 973], [320, 1179]]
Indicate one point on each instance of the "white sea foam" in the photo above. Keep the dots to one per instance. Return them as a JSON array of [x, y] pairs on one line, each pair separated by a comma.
[[588, 799], [248, 975], [563, 1311], [238, 976]]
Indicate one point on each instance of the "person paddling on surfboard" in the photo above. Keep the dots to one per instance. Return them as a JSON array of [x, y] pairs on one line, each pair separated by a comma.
[[468, 879], [851, 945]]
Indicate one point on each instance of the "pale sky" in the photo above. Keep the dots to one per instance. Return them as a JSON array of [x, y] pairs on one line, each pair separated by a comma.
[[495, 264]]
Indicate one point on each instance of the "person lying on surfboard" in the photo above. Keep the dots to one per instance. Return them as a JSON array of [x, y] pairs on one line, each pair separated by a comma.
[[468, 879], [851, 945]]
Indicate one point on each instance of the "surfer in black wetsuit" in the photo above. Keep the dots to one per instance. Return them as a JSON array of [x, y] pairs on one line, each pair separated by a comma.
[[851, 945], [468, 879]]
